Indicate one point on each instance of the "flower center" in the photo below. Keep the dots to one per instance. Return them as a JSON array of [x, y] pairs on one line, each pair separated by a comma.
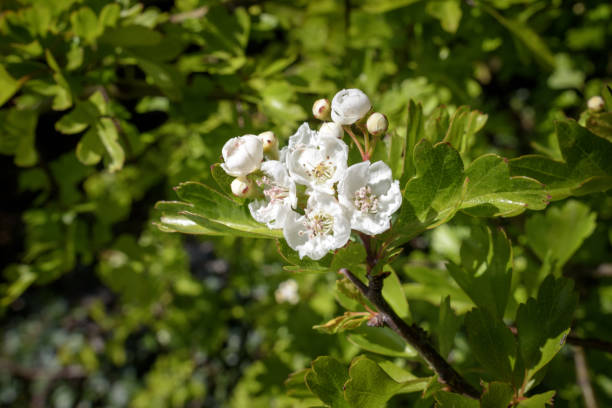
[[319, 224], [365, 201], [272, 191], [322, 171]]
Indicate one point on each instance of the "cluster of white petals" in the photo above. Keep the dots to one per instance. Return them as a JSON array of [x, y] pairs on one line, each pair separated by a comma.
[[314, 165]]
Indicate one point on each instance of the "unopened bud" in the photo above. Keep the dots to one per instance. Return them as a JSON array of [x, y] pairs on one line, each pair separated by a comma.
[[596, 103], [349, 106], [242, 187], [242, 155], [270, 143], [321, 109], [331, 129], [377, 123]]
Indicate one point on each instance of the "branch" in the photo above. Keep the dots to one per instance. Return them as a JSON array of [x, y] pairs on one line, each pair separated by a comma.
[[413, 334], [582, 378], [590, 343]]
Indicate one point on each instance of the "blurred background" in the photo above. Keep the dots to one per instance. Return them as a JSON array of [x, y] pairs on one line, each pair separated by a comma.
[[106, 105]]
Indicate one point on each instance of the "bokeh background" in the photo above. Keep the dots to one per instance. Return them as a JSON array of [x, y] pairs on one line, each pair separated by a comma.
[[106, 105]]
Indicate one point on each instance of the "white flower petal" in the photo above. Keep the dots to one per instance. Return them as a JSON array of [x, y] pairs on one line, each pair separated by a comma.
[[324, 227], [319, 164], [280, 195], [370, 195]]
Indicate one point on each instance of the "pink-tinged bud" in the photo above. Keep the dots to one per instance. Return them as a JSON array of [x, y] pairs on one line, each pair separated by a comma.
[[377, 123], [243, 188], [270, 144], [331, 129], [321, 109], [596, 103], [242, 155]]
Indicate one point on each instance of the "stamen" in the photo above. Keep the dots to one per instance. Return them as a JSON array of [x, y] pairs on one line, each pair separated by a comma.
[[319, 224], [365, 201]]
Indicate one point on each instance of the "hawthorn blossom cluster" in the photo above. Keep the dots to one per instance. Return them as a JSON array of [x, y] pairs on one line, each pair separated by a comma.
[[308, 189]]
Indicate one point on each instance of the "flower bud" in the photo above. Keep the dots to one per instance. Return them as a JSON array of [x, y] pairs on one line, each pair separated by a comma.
[[321, 109], [242, 155], [349, 105], [596, 103], [377, 123], [270, 143], [242, 187], [331, 129]]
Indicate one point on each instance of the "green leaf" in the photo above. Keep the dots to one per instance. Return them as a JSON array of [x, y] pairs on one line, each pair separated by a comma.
[[348, 321], [172, 220], [538, 401], [349, 256], [600, 124], [546, 318], [497, 395], [432, 196], [370, 386], [78, 119], [447, 11], [437, 124], [381, 340], [492, 344], [326, 380], [586, 167], [211, 206], [491, 191], [107, 132], [451, 400], [527, 36], [85, 24], [402, 151], [560, 231], [463, 126], [383, 6], [394, 293], [131, 36], [63, 94], [90, 149], [18, 136], [164, 76], [8, 85], [448, 324], [485, 273], [108, 16]]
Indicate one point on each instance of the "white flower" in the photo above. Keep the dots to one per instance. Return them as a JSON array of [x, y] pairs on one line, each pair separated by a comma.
[[370, 195], [331, 129], [324, 227], [349, 105], [317, 162], [279, 195], [242, 155], [287, 291]]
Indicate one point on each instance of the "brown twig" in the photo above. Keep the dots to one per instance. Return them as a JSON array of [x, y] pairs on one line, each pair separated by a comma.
[[582, 378], [413, 334]]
